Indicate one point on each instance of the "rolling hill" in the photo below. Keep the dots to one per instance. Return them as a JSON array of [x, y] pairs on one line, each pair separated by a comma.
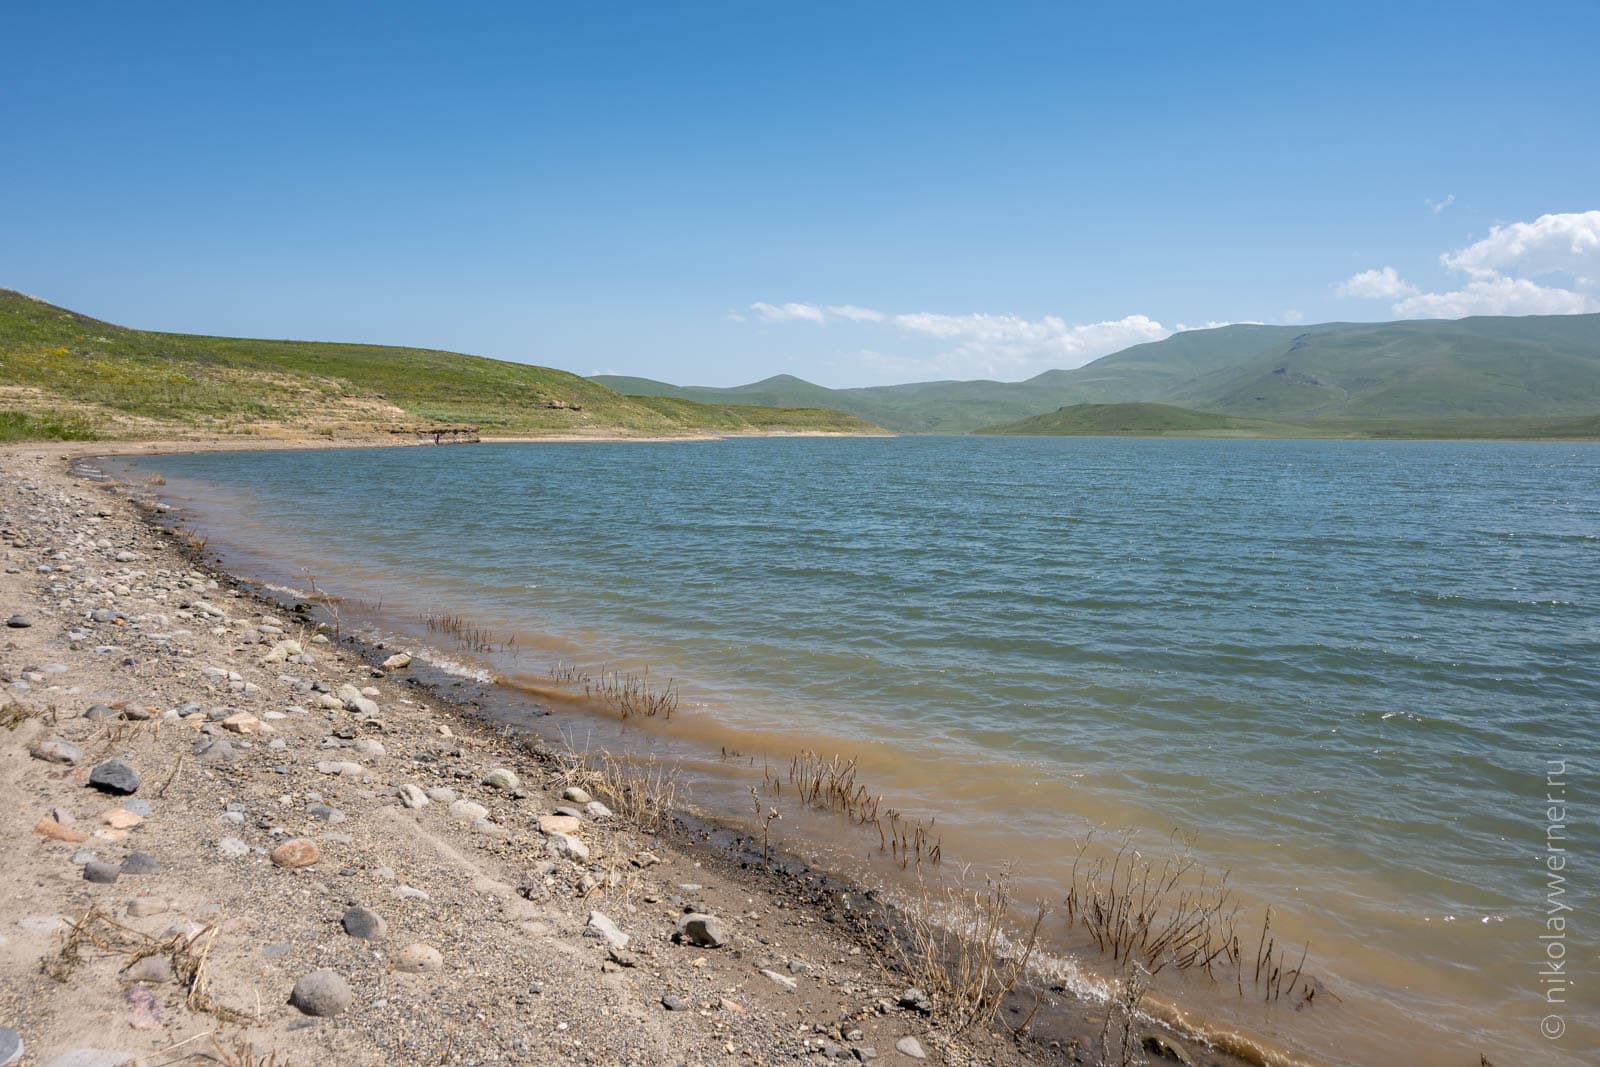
[[1494, 376], [62, 373], [1140, 420]]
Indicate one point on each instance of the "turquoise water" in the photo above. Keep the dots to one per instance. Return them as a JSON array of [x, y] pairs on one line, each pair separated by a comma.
[[1340, 666]]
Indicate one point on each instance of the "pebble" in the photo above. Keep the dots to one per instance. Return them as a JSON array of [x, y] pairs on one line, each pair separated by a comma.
[[442, 795], [703, 930], [397, 662], [568, 847], [10, 1046], [100, 871], [597, 810], [150, 969], [140, 808], [56, 830], [468, 811], [215, 750], [19, 622], [120, 818], [559, 824], [325, 813], [141, 863], [418, 959], [299, 852], [503, 778], [601, 927], [55, 750], [910, 1046], [232, 847], [115, 776], [674, 1003], [781, 979], [576, 795], [363, 923], [242, 723], [321, 993], [412, 797]]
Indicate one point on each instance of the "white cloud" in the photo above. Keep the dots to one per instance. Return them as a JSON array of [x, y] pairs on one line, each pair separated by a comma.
[[1568, 243], [1293, 315], [1437, 206], [978, 344], [1384, 283], [1496, 296], [788, 312], [1504, 269]]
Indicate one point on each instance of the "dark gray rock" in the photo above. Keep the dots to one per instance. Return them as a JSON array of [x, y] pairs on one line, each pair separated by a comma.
[[115, 776], [916, 1000], [100, 871], [141, 863], [321, 993], [325, 813], [363, 923], [19, 622], [673, 1002]]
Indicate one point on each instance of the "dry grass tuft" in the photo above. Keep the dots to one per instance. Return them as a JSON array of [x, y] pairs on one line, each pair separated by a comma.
[[242, 1053], [960, 947], [14, 715], [644, 792], [188, 955]]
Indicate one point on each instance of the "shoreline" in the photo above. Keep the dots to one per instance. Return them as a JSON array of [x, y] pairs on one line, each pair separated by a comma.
[[814, 963]]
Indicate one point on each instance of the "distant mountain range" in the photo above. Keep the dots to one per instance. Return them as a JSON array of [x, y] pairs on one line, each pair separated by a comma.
[[1492, 373]]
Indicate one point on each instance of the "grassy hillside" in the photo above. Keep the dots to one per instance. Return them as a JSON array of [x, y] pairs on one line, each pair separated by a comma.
[[124, 382], [1140, 420], [1464, 377]]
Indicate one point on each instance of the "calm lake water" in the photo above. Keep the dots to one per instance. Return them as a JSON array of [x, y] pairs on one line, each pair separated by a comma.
[[1340, 669]]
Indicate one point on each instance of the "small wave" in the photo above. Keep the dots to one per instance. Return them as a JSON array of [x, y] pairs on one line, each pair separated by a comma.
[[455, 667]]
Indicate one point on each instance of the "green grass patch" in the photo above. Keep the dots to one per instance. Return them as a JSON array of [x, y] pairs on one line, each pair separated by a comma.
[[20, 426]]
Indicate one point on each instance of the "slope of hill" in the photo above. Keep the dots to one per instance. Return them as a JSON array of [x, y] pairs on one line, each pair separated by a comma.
[[125, 382], [1139, 420], [1505, 376]]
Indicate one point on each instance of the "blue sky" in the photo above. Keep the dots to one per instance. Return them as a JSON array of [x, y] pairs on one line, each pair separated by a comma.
[[856, 194]]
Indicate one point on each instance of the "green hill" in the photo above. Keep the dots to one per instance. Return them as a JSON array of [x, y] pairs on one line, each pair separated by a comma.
[[1483, 376], [92, 376], [1139, 420]]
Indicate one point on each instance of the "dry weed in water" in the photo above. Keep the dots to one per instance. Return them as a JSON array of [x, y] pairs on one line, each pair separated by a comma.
[[1119, 1045], [960, 947]]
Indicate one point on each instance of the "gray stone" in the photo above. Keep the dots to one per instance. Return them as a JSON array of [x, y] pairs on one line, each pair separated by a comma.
[[19, 622], [363, 923], [215, 750], [576, 795], [567, 847], [325, 813], [781, 979], [115, 776], [910, 1046], [700, 929], [468, 811], [321, 993], [140, 808], [100, 871], [597, 810], [503, 778], [412, 797], [141, 863], [150, 969], [10, 1046], [673, 1002], [603, 928], [55, 750], [233, 848]]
